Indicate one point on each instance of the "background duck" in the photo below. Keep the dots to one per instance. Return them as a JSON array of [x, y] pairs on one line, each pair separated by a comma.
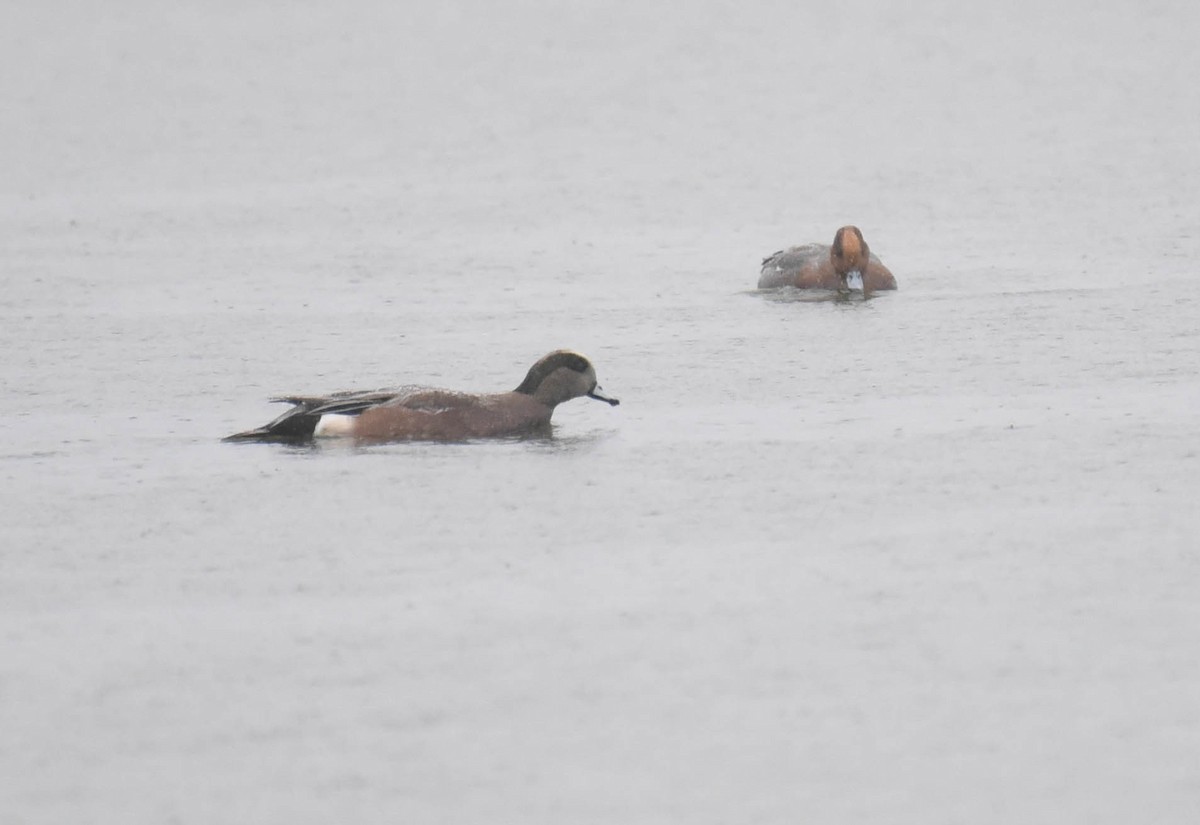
[[846, 265]]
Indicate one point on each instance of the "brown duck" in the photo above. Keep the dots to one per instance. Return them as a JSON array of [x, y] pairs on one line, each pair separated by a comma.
[[846, 266], [414, 414]]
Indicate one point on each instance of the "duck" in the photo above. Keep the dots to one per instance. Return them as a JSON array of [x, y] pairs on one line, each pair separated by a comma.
[[847, 265], [420, 414]]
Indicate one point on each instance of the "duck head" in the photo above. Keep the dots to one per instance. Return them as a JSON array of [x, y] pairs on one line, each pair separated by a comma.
[[849, 256], [562, 375]]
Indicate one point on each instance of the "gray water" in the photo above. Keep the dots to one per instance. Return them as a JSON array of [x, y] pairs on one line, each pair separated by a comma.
[[926, 558]]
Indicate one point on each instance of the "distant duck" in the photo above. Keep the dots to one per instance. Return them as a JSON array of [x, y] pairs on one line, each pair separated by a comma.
[[847, 265], [412, 414]]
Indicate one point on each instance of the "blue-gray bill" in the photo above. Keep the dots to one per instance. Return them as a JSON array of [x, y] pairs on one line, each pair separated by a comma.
[[599, 395]]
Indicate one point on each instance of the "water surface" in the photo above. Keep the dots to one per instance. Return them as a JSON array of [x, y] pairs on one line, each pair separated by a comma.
[[929, 557]]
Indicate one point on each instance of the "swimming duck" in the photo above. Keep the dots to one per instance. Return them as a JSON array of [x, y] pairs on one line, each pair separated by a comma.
[[846, 265], [416, 414]]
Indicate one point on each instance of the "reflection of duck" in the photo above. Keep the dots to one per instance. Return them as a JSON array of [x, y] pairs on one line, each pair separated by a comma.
[[436, 415], [846, 265]]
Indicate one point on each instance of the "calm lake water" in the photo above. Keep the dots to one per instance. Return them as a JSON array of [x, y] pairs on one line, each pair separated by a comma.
[[930, 557]]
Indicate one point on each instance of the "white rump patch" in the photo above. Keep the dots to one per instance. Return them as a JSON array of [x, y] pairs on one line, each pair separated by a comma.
[[333, 425], [854, 280]]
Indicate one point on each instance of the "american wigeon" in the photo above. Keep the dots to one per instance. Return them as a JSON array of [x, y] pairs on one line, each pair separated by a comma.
[[411, 414], [847, 265]]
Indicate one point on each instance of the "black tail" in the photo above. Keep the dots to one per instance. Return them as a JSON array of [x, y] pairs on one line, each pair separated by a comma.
[[295, 425]]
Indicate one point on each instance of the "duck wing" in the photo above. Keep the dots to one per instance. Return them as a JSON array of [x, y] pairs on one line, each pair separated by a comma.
[[795, 257], [435, 401], [351, 402]]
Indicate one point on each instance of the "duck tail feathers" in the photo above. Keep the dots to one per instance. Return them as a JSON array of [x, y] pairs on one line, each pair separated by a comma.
[[297, 424]]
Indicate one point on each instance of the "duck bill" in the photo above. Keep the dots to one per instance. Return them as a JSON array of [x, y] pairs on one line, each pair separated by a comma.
[[600, 395], [852, 281]]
